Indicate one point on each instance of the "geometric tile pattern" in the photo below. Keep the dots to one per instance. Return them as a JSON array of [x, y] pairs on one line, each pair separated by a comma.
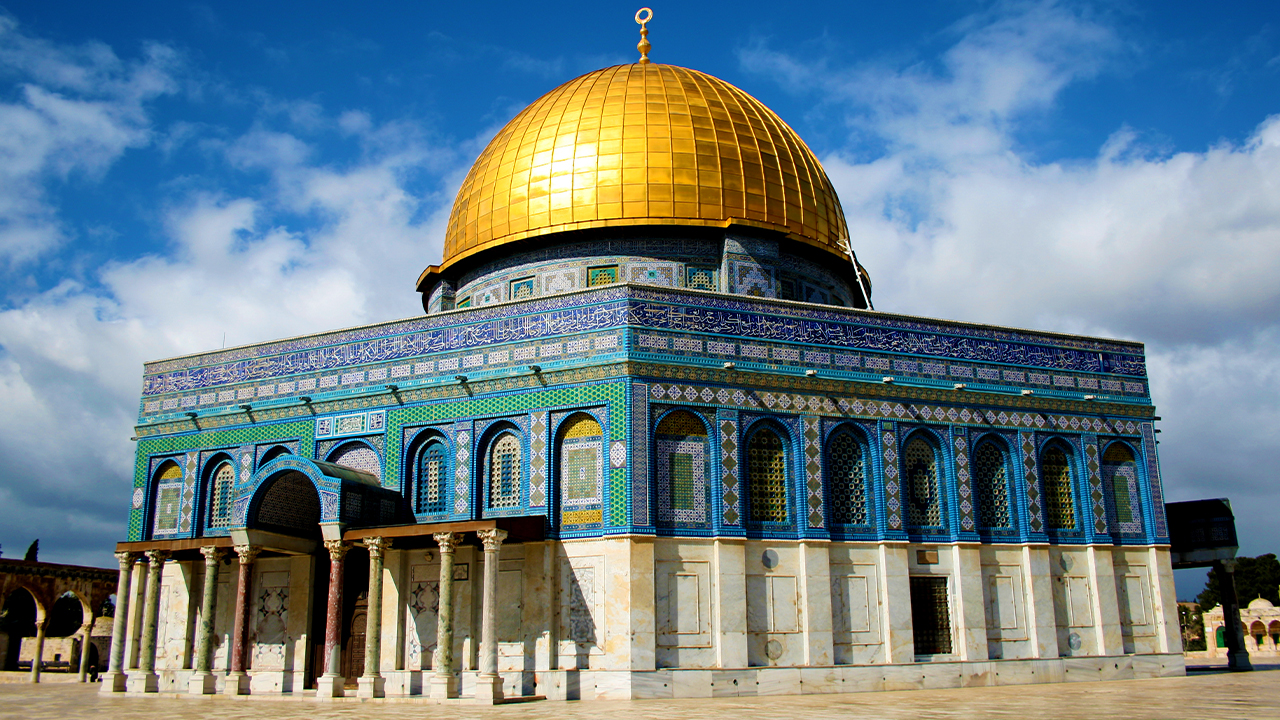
[[462, 469], [1153, 481], [813, 470], [1032, 481], [538, 426], [639, 437], [189, 479], [681, 449], [964, 485], [1120, 470], [730, 487], [892, 484], [1096, 493], [831, 405]]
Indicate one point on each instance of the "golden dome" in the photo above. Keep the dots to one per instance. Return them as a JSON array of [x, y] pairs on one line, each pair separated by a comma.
[[643, 144]]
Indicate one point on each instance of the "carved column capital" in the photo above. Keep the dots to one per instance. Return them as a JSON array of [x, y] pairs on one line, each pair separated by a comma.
[[491, 538], [337, 549], [377, 545], [248, 553], [212, 554], [157, 557], [447, 541], [126, 559]]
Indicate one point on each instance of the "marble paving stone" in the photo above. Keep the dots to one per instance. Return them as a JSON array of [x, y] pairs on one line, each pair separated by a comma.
[[862, 679], [1219, 695]]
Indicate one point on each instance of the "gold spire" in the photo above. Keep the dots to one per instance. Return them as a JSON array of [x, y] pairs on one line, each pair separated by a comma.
[[644, 45]]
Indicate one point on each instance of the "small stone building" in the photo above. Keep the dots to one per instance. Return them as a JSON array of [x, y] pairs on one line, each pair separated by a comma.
[[1261, 623]]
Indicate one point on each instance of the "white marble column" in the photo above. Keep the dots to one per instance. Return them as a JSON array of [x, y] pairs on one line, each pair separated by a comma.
[[85, 632], [203, 681], [970, 602], [1042, 620], [146, 679], [444, 682], [488, 682], [371, 684], [815, 594], [895, 599], [1106, 610], [114, 679], [38, 658]]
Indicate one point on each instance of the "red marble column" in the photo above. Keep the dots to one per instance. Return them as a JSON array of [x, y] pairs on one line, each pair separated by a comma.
[[333, 614], [240, 626]]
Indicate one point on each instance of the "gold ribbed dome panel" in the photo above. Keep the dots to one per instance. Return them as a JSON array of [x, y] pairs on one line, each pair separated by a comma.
[[643, 145]]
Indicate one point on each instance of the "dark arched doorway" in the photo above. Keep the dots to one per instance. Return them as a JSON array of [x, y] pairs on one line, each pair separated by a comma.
[[18, 621]]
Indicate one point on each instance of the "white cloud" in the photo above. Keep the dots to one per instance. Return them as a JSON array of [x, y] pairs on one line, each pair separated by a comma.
[[1179, 250], [78, 109]]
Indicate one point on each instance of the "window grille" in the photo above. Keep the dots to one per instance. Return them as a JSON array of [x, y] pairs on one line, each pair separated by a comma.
[[701, 278], [581, 462], [606, 275], [433, 479], [931, 615], [920, 471], [846, 478], [992, 485], [767, 473], [681, 454], [1056, 472], [224, 480], [504, 472], [1121, 472]]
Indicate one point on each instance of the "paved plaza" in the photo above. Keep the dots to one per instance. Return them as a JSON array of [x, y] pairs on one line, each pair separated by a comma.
[[1217, 695]]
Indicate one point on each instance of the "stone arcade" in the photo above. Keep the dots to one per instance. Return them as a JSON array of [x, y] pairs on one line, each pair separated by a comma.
[[648, 440]]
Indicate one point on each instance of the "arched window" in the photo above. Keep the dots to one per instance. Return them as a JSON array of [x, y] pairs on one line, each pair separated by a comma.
[[920, 483], [681, 457], [1055, 472], [581, 470], [846, 477], [168, 495], [992, 485], [1120, 471], [504, 472], [433, 478], [767, 477], [223, 480]]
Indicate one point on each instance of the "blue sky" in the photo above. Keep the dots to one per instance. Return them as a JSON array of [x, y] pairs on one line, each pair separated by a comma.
[[172, 173]]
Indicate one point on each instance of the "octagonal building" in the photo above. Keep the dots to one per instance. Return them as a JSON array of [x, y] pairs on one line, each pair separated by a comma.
[[649, 439]]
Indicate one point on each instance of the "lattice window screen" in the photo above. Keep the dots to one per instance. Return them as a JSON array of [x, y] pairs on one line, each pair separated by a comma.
[[920, 473], [990, 474], [1056, 473], [433, 479], [847, 480], [767, 477], [504, 472], [931, 615], [224, 480]]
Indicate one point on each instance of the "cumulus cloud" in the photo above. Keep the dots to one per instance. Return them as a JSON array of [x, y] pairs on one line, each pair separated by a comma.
[[318, 245], [76, 111], [1180, 250]]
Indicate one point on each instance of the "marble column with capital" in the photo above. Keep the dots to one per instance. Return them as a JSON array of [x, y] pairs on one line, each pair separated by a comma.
[[330, 684], [371, 684], [444, 682], [488, 682], [86, 632], [38, 658], [146, 680], [238, 680], [203, 681], [114, 679]]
